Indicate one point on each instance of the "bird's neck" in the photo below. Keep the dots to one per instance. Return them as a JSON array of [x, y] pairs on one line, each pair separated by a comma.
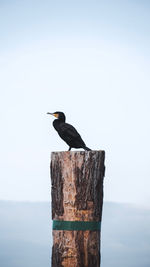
[[57, 122]]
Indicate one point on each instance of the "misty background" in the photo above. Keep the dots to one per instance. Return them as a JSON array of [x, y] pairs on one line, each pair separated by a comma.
[[91, 60]]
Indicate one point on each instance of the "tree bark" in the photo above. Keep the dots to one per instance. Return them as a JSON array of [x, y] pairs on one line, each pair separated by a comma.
[[77, 196]]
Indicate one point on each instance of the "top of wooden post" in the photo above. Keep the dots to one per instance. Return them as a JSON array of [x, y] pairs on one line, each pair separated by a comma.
[[80, 151], [78, 154]]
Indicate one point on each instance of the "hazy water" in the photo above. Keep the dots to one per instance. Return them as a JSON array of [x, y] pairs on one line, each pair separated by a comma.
[[25, 235]]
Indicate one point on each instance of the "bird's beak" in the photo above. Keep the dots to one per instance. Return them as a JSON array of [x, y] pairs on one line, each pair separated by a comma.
[[50, 113], [53, 114]]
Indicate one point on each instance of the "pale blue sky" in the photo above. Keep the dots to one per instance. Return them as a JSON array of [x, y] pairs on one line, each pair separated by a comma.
[[91, 60]]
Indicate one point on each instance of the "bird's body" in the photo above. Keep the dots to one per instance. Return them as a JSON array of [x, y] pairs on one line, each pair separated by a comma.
[[67, 132]]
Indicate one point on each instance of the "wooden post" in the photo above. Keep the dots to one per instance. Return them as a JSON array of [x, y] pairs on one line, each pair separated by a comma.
[[77, 199]]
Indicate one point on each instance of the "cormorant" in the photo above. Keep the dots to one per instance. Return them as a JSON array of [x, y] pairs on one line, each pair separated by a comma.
[[67, 132]]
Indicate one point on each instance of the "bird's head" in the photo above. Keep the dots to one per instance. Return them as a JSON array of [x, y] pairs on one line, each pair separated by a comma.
[[59, 115]]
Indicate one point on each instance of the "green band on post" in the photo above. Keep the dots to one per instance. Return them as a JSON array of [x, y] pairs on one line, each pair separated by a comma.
[[76, 225]]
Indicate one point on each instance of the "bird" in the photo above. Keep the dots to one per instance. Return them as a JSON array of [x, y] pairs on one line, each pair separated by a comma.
[[67, 132]]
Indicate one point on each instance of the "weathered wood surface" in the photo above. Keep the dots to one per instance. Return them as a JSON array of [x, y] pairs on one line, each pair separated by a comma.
[[77, 195]]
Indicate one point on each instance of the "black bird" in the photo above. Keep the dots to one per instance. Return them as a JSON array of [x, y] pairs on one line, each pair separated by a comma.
[[67, 132]]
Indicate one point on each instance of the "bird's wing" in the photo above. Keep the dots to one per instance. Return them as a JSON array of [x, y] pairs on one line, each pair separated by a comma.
[[70, 135], [69, 130]]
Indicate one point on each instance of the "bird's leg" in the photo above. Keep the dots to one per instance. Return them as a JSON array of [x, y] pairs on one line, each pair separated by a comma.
[[69, 148]]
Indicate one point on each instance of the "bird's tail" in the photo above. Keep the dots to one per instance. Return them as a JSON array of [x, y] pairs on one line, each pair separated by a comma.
[[86, 148]]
